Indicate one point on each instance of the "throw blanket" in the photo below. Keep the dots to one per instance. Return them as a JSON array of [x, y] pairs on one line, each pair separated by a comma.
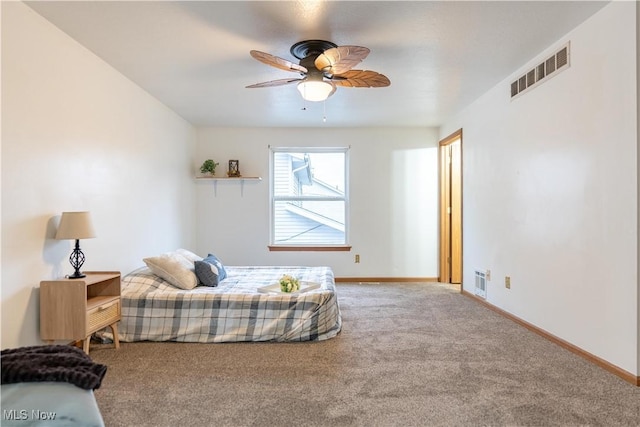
[[62, 363]]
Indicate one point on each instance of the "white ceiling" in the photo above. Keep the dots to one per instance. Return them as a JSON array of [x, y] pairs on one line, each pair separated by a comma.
[[194, 56]]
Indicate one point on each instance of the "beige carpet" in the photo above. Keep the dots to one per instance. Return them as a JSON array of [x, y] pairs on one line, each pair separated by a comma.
[[408, 355]]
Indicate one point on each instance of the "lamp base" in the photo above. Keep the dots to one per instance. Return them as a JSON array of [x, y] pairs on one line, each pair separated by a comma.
[[76, 259], [77, 275]]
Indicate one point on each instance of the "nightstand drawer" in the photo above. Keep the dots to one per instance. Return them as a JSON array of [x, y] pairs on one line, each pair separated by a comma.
[[103, 315]]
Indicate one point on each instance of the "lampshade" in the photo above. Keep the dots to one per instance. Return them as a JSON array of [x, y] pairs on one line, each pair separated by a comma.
[[316, 90], [75, 225]]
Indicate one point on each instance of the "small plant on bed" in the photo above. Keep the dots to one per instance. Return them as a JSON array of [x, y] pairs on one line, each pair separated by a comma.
[[209, 167], [289, 284]]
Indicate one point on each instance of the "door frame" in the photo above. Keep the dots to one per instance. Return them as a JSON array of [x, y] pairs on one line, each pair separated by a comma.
[[450, 212]]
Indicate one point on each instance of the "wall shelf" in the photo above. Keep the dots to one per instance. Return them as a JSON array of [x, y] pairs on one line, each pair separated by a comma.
[[216, 179], [230, 178]]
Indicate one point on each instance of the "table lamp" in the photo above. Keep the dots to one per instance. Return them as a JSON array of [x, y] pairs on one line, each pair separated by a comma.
[[75, 226]]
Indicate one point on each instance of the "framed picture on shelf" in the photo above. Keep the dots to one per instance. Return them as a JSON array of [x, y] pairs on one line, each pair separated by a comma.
[[234, 168]]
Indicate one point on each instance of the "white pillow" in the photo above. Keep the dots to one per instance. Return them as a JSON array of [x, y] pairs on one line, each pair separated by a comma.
[[174, 268], [189, 255]]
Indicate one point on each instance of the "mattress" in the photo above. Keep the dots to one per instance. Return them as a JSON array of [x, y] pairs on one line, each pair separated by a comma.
[[235, 310]]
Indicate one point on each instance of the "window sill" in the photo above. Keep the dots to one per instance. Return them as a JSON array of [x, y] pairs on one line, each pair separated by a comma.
[[310, 248]]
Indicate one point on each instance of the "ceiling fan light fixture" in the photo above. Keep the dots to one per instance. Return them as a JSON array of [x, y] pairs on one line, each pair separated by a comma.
[[316, 90]]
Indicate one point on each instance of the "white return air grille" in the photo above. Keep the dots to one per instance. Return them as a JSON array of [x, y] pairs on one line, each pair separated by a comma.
[[543, 71], [481, 284]]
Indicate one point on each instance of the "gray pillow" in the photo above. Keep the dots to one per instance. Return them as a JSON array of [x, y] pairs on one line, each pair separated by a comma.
[[215, 260], [210, 271]]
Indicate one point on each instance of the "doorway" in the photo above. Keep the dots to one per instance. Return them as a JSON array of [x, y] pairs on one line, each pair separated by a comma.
[[450, 157]]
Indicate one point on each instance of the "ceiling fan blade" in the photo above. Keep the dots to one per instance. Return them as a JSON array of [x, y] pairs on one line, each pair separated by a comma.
[[341, 59], [280, 82], [361, 78], [277, 62]]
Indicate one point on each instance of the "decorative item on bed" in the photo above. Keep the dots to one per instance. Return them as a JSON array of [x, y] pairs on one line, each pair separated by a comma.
[[289, 283], [180, 296], [50, 385]]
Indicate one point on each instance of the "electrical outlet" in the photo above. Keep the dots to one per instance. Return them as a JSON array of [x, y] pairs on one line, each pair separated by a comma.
[[488, 275], [507, 282], [357, 258]]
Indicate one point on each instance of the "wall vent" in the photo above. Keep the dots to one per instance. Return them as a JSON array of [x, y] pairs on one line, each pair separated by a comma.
[[481, 284], [551, 66]]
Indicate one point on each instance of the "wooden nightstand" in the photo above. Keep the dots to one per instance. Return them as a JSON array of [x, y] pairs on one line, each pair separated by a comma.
[[73, 309]]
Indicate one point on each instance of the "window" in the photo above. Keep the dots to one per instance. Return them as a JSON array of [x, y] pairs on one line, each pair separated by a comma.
[[309, 198]]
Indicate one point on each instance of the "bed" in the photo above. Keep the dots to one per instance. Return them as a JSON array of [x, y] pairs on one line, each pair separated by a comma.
[[240, 307], [50, 386]]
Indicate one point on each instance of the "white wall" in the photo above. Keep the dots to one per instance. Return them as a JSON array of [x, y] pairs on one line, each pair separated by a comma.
[[551, 192], [393, 211], [77, 135], [638, 163]]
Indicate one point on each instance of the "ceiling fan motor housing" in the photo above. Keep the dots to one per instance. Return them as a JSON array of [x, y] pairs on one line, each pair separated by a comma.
[[310, 48]]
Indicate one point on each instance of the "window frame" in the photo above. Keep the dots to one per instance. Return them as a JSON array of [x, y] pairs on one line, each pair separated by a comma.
[[273, 199]]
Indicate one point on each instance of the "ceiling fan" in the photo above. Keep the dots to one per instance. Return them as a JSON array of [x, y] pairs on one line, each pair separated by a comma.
[[323, 66]]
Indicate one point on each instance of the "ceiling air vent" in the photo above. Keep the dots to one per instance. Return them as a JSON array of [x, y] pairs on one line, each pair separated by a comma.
[[551, 66]]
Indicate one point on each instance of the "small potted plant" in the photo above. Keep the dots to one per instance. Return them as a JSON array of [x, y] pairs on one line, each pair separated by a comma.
[[208, 167]]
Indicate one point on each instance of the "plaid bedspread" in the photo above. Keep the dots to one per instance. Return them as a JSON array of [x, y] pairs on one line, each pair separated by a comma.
[[154, 310]]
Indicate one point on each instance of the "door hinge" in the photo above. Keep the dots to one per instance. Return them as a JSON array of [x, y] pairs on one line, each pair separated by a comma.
[[448, 210]]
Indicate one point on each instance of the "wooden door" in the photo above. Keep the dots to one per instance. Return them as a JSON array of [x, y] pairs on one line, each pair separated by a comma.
[[451, 208]]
